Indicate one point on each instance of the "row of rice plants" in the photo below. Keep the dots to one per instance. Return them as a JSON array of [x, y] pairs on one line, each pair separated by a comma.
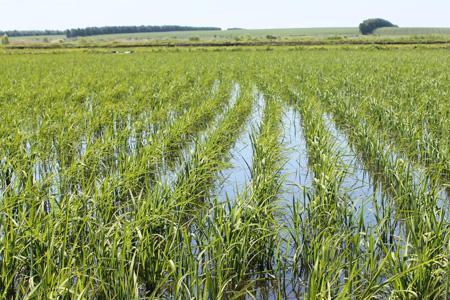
[[421, 229]]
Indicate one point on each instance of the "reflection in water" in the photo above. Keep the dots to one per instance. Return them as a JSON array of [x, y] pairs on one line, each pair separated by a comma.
[[357, 184], [298, 177], [234, 179]]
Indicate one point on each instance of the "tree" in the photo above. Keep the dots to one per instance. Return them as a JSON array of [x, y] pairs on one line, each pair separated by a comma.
[[5, 40], [370, 25]]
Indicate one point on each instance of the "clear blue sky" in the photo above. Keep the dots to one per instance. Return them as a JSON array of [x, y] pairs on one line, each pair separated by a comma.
[[63, 14]]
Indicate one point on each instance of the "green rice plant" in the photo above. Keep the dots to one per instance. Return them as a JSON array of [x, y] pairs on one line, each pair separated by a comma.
[[410, 199], [190, 195]]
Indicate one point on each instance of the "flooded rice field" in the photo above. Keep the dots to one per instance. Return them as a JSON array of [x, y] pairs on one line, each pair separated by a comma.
[[280, 174]]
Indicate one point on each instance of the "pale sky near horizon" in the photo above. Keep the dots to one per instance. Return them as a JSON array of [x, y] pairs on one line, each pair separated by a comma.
[[64, 14]]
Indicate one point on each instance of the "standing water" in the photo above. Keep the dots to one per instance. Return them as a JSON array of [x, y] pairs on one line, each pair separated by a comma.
[[357, 184], [168, 174], [298, 176], [235, 178]]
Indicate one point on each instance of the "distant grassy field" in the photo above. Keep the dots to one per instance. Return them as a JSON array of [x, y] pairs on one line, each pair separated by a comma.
[[230, 34], [209, 35], [411, 30], [282, 36], [37, 37]]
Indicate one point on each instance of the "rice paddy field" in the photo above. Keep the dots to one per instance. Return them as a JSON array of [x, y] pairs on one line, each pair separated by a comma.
[[285, 174]]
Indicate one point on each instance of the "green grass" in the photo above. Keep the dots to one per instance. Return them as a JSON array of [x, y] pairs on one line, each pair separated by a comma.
[[37, 38], [205, 35], [412, 31], [345, 35], [231, 34], [110, 166], [242, 37]]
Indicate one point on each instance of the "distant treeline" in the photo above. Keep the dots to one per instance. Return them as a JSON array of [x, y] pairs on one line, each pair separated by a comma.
[[32, 32], [89, 31]]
